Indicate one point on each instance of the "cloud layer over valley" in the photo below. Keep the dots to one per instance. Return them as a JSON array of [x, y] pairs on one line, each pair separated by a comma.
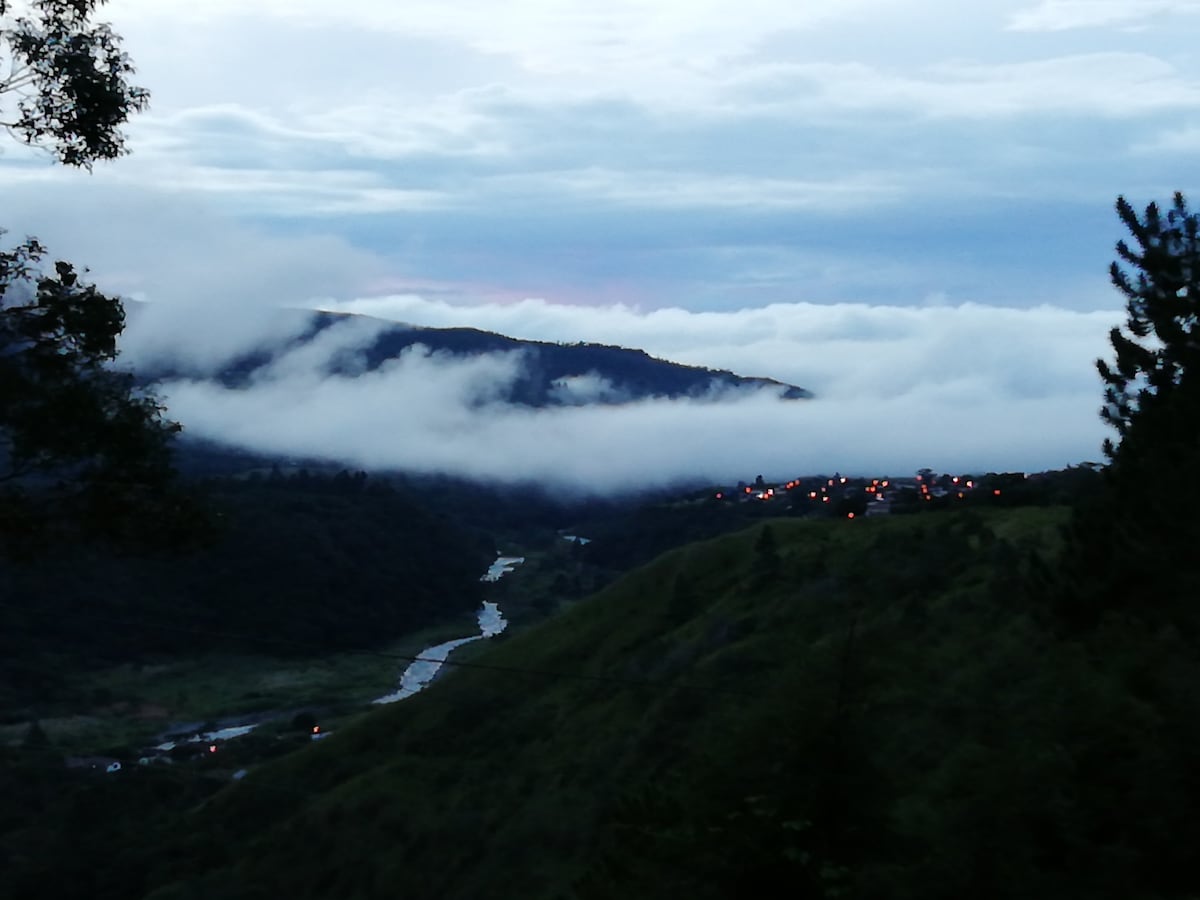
[[963, 387]]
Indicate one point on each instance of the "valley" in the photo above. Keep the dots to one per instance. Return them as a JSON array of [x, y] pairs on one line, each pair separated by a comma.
[[154, 713], [800, 699]]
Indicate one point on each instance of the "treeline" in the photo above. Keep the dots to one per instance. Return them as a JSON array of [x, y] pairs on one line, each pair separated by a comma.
[[296, 565]]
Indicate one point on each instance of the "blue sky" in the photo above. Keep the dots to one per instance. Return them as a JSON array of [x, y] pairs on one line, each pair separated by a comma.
[[625, 171]]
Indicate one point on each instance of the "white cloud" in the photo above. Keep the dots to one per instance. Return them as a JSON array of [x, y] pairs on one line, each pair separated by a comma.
[[168, 246], [838, 350], [673, 190], [580, 390], [201, 338], [619, 37], [715, 153], [1108, 84], [1063, 15], [1185, 140], [958, 387]]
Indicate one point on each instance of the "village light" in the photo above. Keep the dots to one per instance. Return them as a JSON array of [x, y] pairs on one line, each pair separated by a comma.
[[212, 748], [996, 492], [849, 515]]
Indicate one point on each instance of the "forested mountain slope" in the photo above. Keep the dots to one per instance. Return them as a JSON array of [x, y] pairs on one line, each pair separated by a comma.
[[551, 373], [872, 709], [296, 566]]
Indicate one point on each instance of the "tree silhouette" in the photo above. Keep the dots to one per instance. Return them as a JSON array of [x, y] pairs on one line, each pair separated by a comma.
[[1154, 374], [67, 87], [81, 448], [1133, 542]]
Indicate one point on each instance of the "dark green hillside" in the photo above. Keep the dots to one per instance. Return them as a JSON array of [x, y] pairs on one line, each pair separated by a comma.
[[300, 567], [867, 709]]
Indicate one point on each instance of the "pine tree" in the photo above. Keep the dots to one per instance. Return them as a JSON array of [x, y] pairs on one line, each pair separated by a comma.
[[1150, 388], [1133, 543]]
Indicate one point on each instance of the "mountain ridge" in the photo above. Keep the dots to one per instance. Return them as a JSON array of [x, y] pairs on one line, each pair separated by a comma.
[[553, 373]]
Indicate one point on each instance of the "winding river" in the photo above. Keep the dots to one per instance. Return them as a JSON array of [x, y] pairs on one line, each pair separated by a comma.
[[418, 674], [422, 670]]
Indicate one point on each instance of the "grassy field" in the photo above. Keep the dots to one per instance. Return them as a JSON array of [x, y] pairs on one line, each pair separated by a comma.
[[129, 704]]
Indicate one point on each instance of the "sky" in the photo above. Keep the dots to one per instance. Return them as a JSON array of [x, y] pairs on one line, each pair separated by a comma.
[[905, 207]]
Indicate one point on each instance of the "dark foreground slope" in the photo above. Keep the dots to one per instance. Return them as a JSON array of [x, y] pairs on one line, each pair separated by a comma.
[[851, 709]]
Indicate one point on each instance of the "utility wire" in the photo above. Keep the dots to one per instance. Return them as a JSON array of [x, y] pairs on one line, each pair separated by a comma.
[[191, 771], [401, 657]]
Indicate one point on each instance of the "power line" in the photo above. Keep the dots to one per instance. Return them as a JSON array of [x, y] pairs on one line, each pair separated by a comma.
[[188, 769], [400, 657], [191, 771]]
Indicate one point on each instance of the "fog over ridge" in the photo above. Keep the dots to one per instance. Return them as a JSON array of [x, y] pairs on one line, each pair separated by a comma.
[[962, 387]]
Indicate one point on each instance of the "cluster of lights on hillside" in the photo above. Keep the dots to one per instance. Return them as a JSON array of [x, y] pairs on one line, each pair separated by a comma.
[[925, 485]]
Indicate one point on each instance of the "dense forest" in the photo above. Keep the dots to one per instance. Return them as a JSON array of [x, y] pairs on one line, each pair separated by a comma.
[[293, 566]]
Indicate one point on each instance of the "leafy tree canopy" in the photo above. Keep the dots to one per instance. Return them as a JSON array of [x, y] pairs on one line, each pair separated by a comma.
[[79, 443], [81, 449], [67, 86]]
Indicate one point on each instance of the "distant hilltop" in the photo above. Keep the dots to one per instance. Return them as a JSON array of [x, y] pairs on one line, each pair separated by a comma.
[[552, 374]]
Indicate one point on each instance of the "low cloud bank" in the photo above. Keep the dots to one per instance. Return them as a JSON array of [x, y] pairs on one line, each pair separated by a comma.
[[955, 388], [843, 351]]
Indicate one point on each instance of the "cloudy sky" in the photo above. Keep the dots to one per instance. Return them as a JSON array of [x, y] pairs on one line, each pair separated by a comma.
[[904, 206]]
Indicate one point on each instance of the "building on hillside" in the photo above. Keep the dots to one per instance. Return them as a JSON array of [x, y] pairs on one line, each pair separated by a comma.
[[94, 763], [880, 507]]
